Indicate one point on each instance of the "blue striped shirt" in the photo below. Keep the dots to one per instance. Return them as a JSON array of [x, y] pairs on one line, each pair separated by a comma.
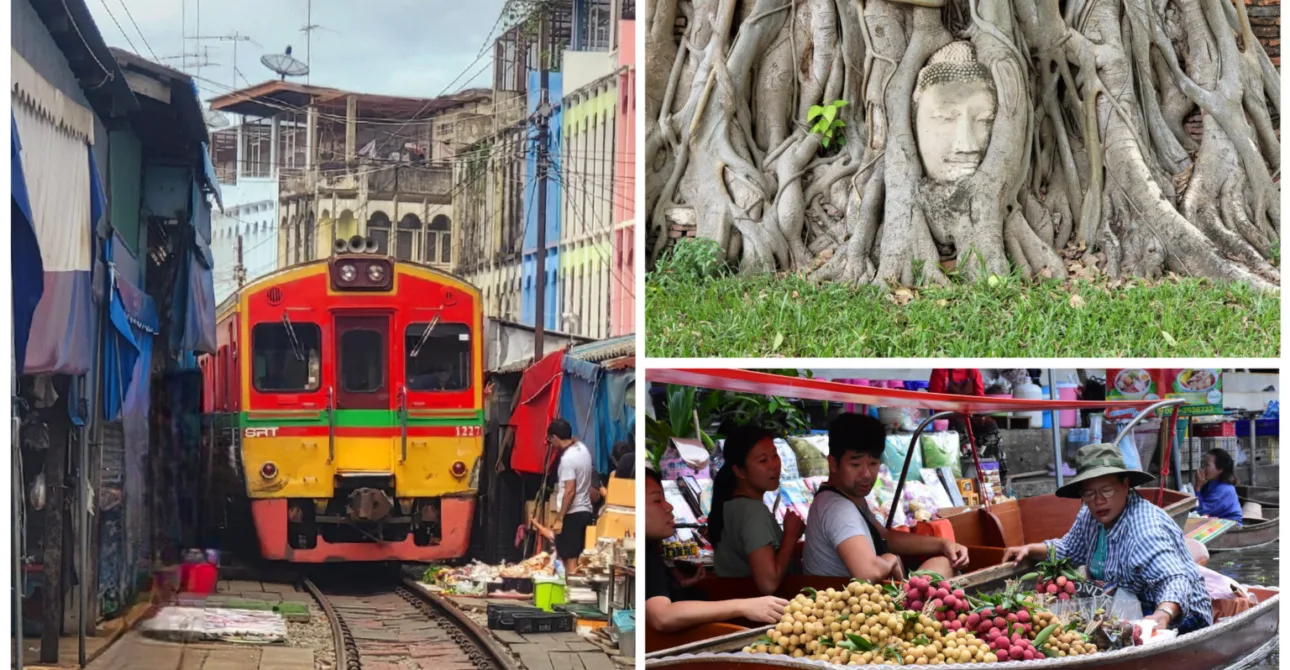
[[1146, 555]]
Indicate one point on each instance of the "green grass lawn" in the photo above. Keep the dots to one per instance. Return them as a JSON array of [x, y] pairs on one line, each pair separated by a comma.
[[733, 317]]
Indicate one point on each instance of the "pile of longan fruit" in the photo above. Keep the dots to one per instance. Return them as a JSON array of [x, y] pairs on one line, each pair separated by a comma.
[[816, 623], [1069, 644]]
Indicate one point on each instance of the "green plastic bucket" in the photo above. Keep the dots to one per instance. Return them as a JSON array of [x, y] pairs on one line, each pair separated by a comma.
[[547, 593]]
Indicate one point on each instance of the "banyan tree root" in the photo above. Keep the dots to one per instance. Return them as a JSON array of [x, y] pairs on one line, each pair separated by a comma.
[[1086, 146]]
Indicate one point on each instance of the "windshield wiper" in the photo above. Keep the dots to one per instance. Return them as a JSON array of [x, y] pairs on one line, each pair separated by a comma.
[[291, 335], [425, 335]]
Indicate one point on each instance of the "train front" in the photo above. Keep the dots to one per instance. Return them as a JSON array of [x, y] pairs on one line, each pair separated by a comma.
[[362, 427]]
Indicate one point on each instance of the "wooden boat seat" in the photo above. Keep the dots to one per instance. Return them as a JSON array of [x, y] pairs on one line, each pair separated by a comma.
[[656, 641]]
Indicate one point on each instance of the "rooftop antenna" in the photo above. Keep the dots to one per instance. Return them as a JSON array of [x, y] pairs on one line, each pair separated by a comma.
[[308, 29], [284, 64], [235, 37]]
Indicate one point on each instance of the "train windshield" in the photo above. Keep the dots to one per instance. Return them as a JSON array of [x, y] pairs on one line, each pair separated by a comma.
[[439, 360], [286, 357]]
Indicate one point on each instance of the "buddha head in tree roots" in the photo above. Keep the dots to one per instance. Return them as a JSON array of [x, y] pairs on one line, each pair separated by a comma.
[[954, 107]]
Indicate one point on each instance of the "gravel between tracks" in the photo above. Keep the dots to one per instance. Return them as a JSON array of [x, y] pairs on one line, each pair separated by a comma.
[[315, 635]]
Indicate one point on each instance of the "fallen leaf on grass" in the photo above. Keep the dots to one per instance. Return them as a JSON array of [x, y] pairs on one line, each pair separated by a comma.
[[1169, 338], [796, 295], [942, 303], [779, 339], [902, 296], [1077, 301]]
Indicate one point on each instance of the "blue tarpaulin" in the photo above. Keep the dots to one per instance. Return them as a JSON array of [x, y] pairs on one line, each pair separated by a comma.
[[28, 270], [133, 320], [194, 293], [594, 402]]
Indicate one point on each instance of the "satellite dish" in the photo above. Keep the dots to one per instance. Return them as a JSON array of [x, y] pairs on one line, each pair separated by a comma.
[[284, 64], [215, 120]]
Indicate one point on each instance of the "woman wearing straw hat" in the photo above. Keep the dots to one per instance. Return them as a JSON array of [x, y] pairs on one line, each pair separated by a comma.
[[1127, 542]]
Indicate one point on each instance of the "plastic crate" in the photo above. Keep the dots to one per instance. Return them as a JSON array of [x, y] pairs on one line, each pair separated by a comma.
[[502, 617], [544, 622]]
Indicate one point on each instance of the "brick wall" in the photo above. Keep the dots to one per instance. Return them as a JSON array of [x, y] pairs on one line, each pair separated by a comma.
[[1265, 19]]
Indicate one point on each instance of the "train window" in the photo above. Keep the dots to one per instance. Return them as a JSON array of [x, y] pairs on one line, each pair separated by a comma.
[[362, 356], [439, 361], [286, 361]]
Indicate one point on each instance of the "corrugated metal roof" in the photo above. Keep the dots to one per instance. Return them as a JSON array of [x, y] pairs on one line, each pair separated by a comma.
[[591, 352], [603, 350]]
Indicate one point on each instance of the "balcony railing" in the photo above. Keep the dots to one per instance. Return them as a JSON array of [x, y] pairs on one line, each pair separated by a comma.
[[431, 180]]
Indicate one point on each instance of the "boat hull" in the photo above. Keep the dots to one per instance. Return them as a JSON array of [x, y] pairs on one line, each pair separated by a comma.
[[1247, 537], [1218, 646]]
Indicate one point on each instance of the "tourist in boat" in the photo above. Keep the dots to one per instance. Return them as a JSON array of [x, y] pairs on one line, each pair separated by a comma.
[[843, 538], [748, 541], [668, 608], [1127, 542], [1216, 487]]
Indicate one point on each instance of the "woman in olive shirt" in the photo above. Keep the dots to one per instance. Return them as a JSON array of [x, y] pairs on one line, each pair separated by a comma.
[[748, 541]]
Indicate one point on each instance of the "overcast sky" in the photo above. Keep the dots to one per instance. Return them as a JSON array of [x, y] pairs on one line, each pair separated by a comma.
[[394, 47]]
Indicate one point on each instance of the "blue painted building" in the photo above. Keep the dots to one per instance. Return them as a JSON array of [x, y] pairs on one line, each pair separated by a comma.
[[552, 306]]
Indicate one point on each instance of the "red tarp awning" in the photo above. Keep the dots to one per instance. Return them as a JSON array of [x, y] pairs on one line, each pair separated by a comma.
[[765, 383], [539, 400]]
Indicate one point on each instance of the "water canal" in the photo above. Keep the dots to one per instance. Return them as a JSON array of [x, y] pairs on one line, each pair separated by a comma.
[[1258, 566]]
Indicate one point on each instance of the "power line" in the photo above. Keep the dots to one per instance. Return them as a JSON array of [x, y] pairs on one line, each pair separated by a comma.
[[129, 14], [118, 27]]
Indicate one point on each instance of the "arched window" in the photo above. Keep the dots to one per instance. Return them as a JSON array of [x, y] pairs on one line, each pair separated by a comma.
[[403, 241], [378, 228], [439, 241]]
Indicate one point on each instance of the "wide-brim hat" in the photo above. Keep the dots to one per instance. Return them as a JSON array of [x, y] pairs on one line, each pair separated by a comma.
[[1099, 460]]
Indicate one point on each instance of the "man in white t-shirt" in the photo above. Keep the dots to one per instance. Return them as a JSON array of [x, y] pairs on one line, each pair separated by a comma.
[[577, 479], [843, 538]]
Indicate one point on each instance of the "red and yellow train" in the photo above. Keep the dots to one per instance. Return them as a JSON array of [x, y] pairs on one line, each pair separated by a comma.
[[351, 389]]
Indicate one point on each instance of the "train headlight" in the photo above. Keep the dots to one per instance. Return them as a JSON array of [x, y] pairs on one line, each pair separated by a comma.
[[375, 273], [268, 471], [347, 272], [458, 469]]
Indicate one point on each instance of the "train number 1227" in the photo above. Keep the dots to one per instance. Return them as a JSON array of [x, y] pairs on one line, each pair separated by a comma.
[[469, 431]]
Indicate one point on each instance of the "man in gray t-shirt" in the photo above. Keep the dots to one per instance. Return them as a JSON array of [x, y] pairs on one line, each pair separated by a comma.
[[843, 539]]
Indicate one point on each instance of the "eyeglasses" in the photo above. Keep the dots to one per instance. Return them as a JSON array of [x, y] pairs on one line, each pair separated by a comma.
[[1104, 493]]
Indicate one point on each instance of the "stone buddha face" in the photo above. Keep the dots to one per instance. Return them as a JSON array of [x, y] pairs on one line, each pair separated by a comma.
[[954, 107]]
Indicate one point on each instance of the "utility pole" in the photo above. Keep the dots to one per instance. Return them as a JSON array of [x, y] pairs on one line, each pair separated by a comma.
[[239, 270], [541, 118]]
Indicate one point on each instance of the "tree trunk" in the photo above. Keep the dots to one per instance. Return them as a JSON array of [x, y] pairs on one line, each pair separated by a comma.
[[1087, 154]]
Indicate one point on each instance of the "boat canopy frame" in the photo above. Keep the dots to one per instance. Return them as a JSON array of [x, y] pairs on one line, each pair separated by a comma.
[[943, 405]]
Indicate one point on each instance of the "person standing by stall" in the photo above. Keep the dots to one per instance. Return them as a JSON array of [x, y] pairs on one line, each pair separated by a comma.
[[575, 475], [749, 541]]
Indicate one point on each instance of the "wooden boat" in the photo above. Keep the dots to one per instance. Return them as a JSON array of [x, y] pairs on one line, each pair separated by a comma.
[[1255, 533], [986, 533], [1259, 494], [1230, 642]]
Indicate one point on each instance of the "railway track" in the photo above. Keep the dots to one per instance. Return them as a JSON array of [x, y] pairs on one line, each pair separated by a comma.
[[389, 624]]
